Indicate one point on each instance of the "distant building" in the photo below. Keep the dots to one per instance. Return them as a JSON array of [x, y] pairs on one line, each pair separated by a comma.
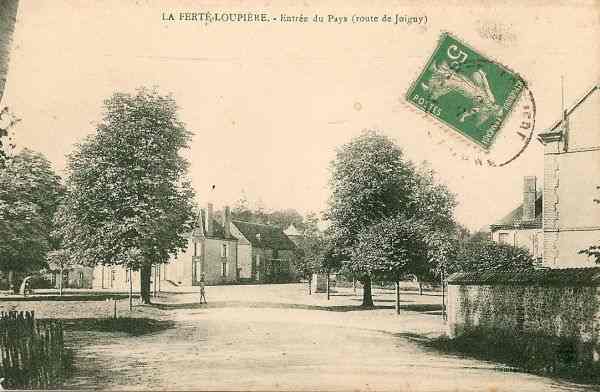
[[212, 250], [225, 252], [294, 234], [265, 253], [523, 226], [74, 277]]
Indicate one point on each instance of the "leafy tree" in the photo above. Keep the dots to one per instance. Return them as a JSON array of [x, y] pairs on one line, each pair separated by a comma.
[[280, 218], [481, 254], [375, 189], [129, 201], [29, 195]]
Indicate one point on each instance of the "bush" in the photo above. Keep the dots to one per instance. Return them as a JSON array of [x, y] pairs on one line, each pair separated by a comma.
[[530, 352]]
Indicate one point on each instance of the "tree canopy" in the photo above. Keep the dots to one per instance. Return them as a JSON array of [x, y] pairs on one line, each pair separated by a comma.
[[387, 215], [478, 253], [30, 192], [129, 201], [244, 211]]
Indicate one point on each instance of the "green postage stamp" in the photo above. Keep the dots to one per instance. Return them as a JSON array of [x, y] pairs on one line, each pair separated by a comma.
[[467, 91]]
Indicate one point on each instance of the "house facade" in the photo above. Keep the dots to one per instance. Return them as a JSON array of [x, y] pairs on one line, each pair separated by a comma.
[[212, 250], [571, 219], [225, 251], [523, 226], [76, 277], [265, 253], [561, 221]]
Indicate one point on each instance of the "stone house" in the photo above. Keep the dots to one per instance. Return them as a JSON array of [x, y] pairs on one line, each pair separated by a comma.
[[265, 253], [226, 251], [212, 251], [523, 226]]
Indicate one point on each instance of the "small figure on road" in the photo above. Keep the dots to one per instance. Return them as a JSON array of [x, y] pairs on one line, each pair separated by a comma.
[[202, 289]]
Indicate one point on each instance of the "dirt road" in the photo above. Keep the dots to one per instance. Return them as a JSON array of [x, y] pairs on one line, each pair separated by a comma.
[[277, 338]]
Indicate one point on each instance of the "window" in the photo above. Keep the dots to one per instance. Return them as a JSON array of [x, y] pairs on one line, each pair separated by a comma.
[[503, 238], [224, 251], [224, 269]]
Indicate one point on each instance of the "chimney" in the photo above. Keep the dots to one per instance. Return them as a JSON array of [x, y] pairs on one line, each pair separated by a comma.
[[227, 222], [529, 196], [209, 220]]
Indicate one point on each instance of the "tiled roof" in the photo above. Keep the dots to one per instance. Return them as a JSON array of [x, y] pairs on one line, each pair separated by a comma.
[[264, 236], [538, 277], [514, 219]]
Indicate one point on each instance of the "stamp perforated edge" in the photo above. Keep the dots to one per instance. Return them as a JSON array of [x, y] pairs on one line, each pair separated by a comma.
[[467, 138]]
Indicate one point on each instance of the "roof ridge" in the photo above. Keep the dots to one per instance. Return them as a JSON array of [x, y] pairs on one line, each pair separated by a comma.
[[575, 105], [257, 224]]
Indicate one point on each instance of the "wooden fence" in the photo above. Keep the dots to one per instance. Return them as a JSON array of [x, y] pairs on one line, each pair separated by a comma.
[[32, 352]]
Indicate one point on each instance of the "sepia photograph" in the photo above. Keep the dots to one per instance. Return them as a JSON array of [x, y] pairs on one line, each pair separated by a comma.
[[295, 195]]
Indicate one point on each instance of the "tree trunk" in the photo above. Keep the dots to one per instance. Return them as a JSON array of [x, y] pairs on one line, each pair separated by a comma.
[[397, 297], [367, 297], [354, 285], [145, 273], [130, 290], [60, 282], [310, 284], [420, 288], [328, 285], [159, 270], [443, 297]]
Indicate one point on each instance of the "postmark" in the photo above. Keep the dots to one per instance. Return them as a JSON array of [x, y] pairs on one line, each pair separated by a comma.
[[475, 97]]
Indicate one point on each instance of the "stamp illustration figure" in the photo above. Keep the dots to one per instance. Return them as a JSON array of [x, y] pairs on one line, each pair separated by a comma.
[[466, 91]]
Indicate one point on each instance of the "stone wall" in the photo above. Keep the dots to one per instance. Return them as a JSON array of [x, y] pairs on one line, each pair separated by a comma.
[[563, 311]]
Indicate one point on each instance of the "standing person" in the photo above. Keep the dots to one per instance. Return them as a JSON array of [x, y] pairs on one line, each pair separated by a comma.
[[202, 289]]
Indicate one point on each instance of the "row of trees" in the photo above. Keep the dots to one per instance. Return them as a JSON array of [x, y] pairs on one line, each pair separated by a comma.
[[390, 219], [126, 199]]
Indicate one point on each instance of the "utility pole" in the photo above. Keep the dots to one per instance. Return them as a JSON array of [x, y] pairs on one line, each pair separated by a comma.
[[154, 279], [443, 296], [397, 295], [130, 291], [328, 284]]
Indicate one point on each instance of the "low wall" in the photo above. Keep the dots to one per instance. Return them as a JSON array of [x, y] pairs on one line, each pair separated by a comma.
[[562, 304]]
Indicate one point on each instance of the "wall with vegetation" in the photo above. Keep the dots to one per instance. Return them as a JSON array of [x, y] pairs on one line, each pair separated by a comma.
[[559, 313]]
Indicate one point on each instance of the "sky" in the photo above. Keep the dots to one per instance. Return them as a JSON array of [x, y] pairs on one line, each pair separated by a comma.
[[269, 103]]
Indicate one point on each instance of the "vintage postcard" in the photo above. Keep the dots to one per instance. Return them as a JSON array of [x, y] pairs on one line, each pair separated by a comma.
[[300, 196]]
